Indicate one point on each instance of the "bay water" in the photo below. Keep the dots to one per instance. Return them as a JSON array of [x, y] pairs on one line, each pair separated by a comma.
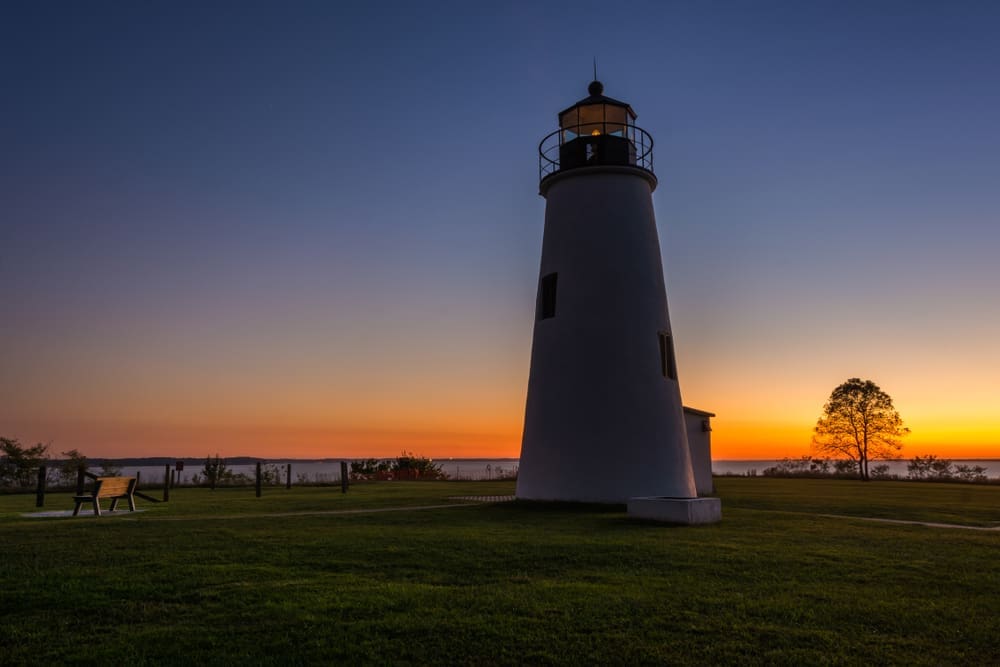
[[328, 470]]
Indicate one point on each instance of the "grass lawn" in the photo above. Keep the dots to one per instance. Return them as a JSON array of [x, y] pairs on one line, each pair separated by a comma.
[[217, 578]]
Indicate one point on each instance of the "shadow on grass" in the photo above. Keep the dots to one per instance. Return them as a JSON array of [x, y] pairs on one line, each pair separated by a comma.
[[566, 506]]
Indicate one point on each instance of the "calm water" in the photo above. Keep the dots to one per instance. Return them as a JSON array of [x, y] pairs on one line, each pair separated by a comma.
[[328, 470], [895, 467]]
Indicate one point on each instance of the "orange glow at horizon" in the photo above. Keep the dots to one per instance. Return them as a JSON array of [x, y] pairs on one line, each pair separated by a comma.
[[473, 438], [761, 440], [452, 401]]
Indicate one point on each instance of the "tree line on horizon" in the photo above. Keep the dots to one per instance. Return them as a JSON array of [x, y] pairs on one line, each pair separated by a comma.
[[928, 468], [19, 466]]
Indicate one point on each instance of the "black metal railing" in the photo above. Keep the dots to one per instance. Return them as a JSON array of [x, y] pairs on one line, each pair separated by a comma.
[[554, 154]]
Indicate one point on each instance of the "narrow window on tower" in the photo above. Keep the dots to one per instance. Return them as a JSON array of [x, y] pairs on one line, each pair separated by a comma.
[[668, 365], [547, 296]]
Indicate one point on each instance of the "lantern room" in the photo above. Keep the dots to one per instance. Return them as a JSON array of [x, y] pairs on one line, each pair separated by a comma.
[[596, 131], [595, 115]]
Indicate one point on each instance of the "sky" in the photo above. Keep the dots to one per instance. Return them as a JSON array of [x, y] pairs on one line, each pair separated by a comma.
[[313, 229]]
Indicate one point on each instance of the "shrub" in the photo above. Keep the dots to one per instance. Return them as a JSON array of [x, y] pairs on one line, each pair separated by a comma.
[[370, 469], [787, 467], [970, 473], [404, 466], [217, 472], [928, 467], [881, 471], [804, 466], [408, 466], [845, 468], [271, 474]]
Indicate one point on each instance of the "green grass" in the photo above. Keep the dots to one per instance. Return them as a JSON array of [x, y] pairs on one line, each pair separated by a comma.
[[968, 504], [211, 578]]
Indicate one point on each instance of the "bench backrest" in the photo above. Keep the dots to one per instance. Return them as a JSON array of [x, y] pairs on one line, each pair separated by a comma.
[[106, 487]]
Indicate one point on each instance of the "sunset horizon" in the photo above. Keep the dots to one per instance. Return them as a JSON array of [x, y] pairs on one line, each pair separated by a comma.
[[744, 441]]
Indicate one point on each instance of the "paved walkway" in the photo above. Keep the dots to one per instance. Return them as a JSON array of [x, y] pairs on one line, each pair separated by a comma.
[[907, 522], [465, 501], [901, 522], [55, 514], [485, 499]]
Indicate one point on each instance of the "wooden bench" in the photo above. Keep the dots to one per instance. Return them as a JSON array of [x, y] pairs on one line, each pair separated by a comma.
[[115, 488]]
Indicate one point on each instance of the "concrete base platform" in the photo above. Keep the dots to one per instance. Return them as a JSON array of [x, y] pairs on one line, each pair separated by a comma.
[[687, 511]]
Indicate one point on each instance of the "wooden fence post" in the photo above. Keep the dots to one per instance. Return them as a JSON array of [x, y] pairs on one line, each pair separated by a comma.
[[288, 477], [79, 480], [343, 476], [258, 479], [40, 493], [166, 482]]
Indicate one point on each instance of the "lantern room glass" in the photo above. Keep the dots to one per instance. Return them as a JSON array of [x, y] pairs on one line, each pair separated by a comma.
[[593, 120]]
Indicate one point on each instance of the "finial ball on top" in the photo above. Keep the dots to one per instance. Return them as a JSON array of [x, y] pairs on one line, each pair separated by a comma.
[[595, 87]]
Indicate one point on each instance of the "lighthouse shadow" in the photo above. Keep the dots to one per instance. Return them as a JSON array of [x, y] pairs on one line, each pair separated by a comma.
[[541, 513], [566, 506], [606, 517]]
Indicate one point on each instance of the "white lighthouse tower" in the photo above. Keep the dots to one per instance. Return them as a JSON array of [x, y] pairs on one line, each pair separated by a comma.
[[604, 420]]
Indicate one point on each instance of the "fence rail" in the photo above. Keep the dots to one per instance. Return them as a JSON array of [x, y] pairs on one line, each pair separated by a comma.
[[550, 153]]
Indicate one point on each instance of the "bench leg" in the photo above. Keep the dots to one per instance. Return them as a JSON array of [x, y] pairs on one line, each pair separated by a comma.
[[114, 504], [97, 507], [76, 510], [131, 504]]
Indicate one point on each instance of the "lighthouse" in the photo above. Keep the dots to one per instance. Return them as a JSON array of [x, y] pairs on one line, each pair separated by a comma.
[[604, 421]]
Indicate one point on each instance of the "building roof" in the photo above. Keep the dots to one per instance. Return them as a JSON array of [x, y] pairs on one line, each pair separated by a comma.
[[596, 90]]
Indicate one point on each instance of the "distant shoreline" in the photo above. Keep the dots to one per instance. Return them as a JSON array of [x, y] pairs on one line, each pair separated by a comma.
[[250, 460]]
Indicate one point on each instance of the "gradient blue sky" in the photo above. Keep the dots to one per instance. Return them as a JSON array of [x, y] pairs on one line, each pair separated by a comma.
[[314, 229]]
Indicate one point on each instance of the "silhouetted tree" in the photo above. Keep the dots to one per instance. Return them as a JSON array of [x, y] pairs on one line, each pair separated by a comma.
[[18, 464], [859, 423]]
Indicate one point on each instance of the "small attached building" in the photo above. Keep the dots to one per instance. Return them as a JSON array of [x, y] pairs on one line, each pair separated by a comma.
[[699, 433]]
